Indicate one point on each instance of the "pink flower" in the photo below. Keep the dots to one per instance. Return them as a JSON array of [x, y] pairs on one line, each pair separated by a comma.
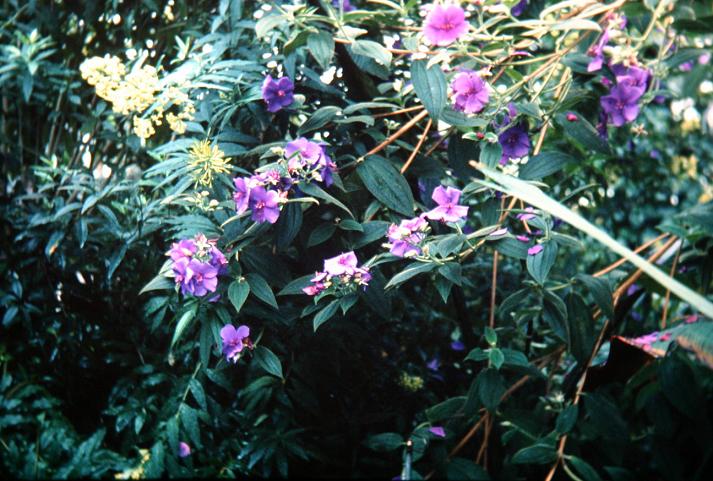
[[444, 25], [184, 450], [448, 209], [534, 250], [471, 93], [438, 431], [342, 264]]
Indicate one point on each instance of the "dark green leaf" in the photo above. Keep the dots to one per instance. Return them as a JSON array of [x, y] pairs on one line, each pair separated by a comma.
[[566, 419], [321, 47], [259, 287], [384, 442], [544, 164], [535, 454], [267, 360], [237, 293], [430, 86], [540, 264], [411, 270], [386, 184], [325, 314]]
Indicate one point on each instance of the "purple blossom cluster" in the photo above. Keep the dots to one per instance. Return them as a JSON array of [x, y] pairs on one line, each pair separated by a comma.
[[445, 24], [621, 106], [340, 275], [406, 238], [197, 263], [264, 192], [470, 92]]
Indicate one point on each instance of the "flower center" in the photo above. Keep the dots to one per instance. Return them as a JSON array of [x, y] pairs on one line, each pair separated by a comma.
[[260, 204], [280, 93]]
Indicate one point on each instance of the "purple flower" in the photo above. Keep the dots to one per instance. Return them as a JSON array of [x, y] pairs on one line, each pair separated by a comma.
[[534, 250], [686, 67], [457, 346], [199, 278], [527, 215], [182, 249], [346, 6], [445, 24], [278, 94], [597, 53], [184, 450], [448, 209], [519, 8], [241, 196], [438, 431], [515, 143], [218, 260], [406, 237], [471, 93], [522, 238], [264, 205], [344, 263], [498, 232], [302, 150], [234, 340], [635, 78], [434, 364], [621, 104]]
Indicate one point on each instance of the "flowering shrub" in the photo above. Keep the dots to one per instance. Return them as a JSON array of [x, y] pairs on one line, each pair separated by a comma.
[[395, 239]]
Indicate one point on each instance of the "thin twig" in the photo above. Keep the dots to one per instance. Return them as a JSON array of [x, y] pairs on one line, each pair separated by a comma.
[[405, 167], [623, 260], [405, 128], [400, 111]]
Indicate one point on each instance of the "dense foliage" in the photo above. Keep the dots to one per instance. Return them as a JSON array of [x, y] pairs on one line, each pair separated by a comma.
[[366, 238]]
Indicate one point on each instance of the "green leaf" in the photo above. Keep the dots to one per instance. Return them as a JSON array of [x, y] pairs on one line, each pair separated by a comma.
[[350, 224], [601, 292], [445, 410], [321, 47], [325, 314], [461, 468], [322, 233], [491, 153], [535, 197], [583, 468], [511, 247], [412, 270], [430, 86], [295, 286], [267, 24], [491, 387], [386, 184], [535, 454], [566, 419], [198, 393], [237, 293], [476, 354], [698, 337], [172, 433], [267, 360], [155, 466], [580, 332], [583, 132], [183, 323], [540, 264], [453, 272], [496, 357], [259, 287], [314, 190], [288, 225], [372, 230], [372, 50], [384, 442], [319, 119], [189, 420], [206, 342], [544, 164]]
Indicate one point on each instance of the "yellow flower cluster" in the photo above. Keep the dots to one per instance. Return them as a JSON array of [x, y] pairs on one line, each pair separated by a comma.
[[411, 383], [138, 471], [206, 160], [136, 92]]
